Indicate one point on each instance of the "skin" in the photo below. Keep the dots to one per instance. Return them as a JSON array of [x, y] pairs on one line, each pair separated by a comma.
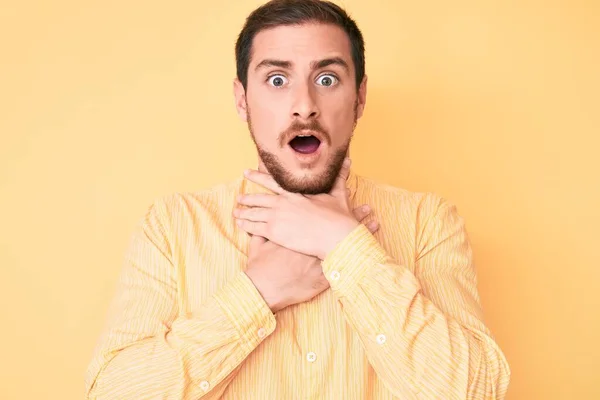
[[316, 89], [299, 78], [291, 234]]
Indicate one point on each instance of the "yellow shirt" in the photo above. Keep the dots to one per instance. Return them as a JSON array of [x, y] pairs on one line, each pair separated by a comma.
[[402, 318]]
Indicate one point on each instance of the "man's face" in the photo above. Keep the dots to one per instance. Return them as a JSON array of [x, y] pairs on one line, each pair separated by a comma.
[[301, 104]]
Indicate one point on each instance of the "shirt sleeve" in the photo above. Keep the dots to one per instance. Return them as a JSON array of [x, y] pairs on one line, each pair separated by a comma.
[[149, 349], [423, 332]]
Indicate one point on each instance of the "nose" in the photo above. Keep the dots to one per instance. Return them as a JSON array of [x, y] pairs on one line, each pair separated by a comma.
[[305, 105]]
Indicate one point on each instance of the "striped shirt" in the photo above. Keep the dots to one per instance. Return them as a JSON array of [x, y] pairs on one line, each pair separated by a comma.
[[402, 317]]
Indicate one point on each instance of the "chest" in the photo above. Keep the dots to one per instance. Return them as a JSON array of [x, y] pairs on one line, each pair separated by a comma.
[[208, 265]]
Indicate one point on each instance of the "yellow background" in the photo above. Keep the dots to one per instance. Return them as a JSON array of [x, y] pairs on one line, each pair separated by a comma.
[[106, 105]]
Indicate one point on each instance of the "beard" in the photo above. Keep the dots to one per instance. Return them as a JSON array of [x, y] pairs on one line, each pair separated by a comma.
[[317, 184]]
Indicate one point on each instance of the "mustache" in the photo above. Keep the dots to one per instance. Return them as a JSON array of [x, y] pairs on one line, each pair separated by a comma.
[[297, 127]]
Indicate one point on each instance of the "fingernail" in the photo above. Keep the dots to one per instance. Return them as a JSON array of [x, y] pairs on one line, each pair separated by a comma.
[[372, 224], [366, 208], [347, 162]]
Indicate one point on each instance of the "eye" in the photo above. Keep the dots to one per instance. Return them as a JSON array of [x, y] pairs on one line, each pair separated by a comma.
[[277, 80], [327, 80]]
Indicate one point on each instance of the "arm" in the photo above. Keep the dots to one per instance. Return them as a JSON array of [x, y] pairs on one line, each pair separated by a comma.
[[423, 333], [151, 350]]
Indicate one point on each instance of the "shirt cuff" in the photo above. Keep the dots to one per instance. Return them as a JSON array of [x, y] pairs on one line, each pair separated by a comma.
[[351, 258], [247, 310]]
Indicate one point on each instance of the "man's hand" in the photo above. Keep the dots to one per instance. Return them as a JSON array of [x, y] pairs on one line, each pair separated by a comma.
[[284, 277], [308, 224]]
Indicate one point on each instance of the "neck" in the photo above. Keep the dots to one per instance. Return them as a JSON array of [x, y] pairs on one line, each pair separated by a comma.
[[261, 166]]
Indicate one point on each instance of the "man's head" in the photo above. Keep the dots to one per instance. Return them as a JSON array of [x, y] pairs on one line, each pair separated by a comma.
[[301, 87]]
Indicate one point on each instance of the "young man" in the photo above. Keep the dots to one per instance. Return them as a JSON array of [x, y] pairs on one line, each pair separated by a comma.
[[270, 287]]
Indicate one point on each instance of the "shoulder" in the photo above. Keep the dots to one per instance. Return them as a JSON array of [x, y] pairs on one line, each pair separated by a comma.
[[177, 205], [428, 202], [420, 208]]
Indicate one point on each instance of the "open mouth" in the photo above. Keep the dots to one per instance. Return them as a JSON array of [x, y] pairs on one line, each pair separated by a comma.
[[305, 144]]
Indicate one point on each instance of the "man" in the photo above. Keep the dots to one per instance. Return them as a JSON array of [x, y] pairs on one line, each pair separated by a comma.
[[275, 286]]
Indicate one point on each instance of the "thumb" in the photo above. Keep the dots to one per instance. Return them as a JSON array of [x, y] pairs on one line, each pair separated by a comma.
[[339, 188]]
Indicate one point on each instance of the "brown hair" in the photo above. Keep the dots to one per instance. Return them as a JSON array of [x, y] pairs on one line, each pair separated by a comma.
[[297, 12]]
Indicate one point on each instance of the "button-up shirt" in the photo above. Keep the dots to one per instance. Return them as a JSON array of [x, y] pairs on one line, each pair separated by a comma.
[[402, 317]]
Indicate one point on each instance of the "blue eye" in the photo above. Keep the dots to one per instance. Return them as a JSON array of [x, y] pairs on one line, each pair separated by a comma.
[[327, 80], [277, 80]]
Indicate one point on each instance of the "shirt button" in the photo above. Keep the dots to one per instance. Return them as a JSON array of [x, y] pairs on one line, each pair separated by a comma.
[[381, 339], [261, 333], [311, 357], [204, 385], [335, 275]]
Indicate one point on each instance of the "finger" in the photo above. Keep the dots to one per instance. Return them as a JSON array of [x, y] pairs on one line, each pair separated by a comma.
[[339, 188], [252, 227], [264, 180], [373, 226], [255, 243], [256, 214], [361, 212], [258, 200]]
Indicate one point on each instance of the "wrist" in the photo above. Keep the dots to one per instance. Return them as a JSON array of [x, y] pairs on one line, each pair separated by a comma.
[[272, 297], [341, 231]]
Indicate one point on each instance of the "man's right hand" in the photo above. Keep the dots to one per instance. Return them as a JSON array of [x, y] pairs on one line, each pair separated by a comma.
[[284, 277]]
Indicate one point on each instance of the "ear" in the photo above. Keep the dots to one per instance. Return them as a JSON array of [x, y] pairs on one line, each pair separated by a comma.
[[362, 97], [240, 99]]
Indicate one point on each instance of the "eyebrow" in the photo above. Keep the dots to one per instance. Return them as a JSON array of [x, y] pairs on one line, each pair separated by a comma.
[[314, 65]]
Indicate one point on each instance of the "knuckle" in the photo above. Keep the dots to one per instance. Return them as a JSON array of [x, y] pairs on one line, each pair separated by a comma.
[[319, 284]]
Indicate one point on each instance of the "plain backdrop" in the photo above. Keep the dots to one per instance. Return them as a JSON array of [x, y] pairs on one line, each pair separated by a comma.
[[107, 105]]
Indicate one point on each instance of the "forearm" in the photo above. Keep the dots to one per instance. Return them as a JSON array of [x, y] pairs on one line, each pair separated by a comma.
[[196, 357], [412, 344]]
